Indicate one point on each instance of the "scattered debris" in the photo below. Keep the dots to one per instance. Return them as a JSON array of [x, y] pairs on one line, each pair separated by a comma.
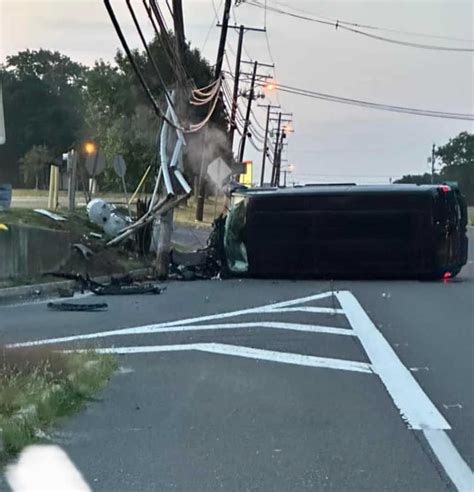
[[84, 250], [95, 235], [47, 213], [106, 216], [67, 306], [65, 292], [202, 264], [124, 285]]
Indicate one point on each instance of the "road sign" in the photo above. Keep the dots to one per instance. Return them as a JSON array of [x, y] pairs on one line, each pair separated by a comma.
[[95, 163], [119, 165], [218, 171]]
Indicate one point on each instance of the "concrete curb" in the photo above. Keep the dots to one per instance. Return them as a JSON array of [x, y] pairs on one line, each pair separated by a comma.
[[50, 289]]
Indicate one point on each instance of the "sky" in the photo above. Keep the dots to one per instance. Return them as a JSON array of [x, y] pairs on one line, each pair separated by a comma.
[[331, 142]]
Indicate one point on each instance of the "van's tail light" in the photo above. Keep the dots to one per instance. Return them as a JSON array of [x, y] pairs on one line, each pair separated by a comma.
[[445, 189]]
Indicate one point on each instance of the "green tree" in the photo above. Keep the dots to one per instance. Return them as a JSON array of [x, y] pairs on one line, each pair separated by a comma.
[[458, 151], [458, 159], [34, 164], [42, 93]]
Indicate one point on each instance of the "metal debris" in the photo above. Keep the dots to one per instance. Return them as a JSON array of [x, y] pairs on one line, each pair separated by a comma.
[[50, 215]]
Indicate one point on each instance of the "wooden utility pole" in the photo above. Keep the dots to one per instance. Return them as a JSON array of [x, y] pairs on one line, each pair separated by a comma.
[[247, 116], [200, 192], [233, 111], [276, 157], [265, 144], [223, 39]]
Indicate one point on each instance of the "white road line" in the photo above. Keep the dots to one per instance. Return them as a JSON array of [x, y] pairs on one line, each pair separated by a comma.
[[148, 329], [248, 353], [305, 309], [456, 468], [414, 405]]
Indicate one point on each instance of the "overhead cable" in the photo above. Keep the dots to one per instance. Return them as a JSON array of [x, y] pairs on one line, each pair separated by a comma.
[[372, 105], [339, 25]]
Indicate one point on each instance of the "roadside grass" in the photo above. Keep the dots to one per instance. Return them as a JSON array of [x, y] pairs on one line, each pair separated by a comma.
[[38, 385], [76, 223], [471, 215]]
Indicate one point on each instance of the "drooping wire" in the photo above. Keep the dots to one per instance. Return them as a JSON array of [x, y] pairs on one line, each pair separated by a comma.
[[213, 23], [339, 25]]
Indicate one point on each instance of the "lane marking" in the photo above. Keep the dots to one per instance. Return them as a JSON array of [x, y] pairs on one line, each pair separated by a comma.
[[456, 468], [248, 353], [148, 329], [306, 309], [413, 403]]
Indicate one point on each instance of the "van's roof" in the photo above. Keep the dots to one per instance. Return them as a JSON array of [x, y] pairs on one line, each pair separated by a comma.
[[338, 189]]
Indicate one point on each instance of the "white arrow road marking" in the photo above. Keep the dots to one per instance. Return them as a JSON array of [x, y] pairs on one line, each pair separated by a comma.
[[248, 353]]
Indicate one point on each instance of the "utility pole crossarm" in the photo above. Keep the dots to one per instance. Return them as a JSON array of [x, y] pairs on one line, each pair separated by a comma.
[[256, 29], [260, 64]]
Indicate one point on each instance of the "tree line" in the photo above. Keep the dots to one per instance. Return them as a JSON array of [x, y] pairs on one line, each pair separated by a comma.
[[53, 104], [455, 160]]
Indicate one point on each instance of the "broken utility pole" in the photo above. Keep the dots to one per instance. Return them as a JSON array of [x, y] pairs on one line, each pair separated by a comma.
[[163, 249]]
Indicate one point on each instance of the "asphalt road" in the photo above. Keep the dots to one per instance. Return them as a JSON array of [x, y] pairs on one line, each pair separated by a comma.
[[351, 403]]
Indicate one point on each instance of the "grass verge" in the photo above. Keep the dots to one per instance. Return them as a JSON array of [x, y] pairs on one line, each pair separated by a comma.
[[39, 385], [471, 215]]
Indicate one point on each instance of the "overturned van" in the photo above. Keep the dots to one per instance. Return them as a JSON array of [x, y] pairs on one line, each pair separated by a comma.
[[395, 231]]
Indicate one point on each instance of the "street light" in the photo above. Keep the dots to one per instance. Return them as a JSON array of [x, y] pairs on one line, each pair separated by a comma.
[[90, 147], [270, 85]]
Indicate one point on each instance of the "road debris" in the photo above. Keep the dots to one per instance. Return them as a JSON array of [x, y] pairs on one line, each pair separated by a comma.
[[83, 249], [107, 216], [124, 285], [68, 306], [50, 215]]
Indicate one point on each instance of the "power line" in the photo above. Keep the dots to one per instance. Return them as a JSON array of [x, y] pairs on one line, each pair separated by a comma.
[[372, 105], [379, 28], [134, 65], [339, 25], [213, 23]]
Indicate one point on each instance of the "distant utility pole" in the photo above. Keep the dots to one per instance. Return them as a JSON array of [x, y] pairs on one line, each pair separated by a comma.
[[275, 158], [233, 112], [265, 144], [433, 149], [251, 97], [247, 116], [280, 136]]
